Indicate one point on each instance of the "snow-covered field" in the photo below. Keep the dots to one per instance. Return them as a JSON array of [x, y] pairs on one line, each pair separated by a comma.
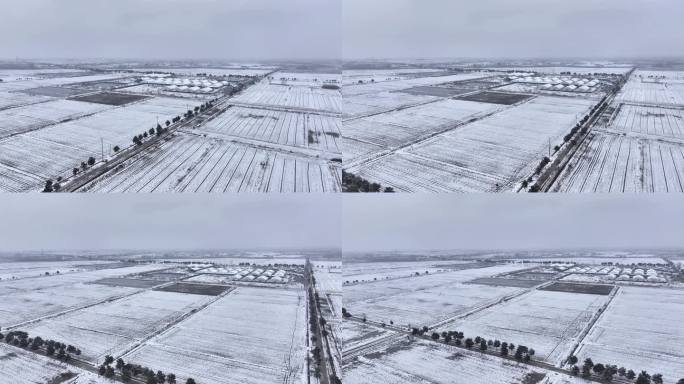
[[293, 97], [550, 322], [36, 116], [383, 96], [388, 270], [426, 299], [18, 366], [110, 328], [615, 163], [190, 163], [640, 330], [491, 154], [393, 129], [24, 83], [18, 270], [641, 148], [649, 121], [352, 76], [662, 88], [252, 336], [306, 79], [370, 103], [27, 160], [295, 129], [352, 91], [32, 298], [426, 362]]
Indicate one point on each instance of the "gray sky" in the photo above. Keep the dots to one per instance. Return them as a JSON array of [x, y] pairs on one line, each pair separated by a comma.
[[512, 28], [486, 221], [168, 29], [168, 221]]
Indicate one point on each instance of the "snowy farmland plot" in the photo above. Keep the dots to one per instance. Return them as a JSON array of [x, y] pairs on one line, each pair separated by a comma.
[[549, 322], [252, 335], [425, 362], [397, 128], [18, 366], [462, 132], [27, 160], [190, 163], [640, 147], [640, 330], [304, 98], [292, 129], [111, 328], [490, 154], [425, 299], [31, 298]]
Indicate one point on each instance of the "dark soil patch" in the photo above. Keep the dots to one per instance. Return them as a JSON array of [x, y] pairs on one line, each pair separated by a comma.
[[110, 98], [496, 98], [195, 289], [591, 289]]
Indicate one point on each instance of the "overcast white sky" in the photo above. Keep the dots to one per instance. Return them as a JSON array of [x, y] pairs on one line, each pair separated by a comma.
[[168, 221], [512, 28], [487, 221], [170, 29]]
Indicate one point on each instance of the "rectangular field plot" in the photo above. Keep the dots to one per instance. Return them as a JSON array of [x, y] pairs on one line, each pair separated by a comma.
[[425, 299], [295, 97], [53, 151], [110, 98], [407, 173], [508, 144], [18, 366], [54, 91], [252, 336], [36, 116], [131, 283], [652, 121], [111, 328], [353, 90], [501, 282], [403, 126], [191, 163], [664, 92], [10, 100], [590, 289], [612, 163], [496, 98], [549, 322], [491, 154], [286, 128], [32, 298], [366, 104], [640, 330], [427, 362], [24, 306], [195, 289], [434, 91]]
